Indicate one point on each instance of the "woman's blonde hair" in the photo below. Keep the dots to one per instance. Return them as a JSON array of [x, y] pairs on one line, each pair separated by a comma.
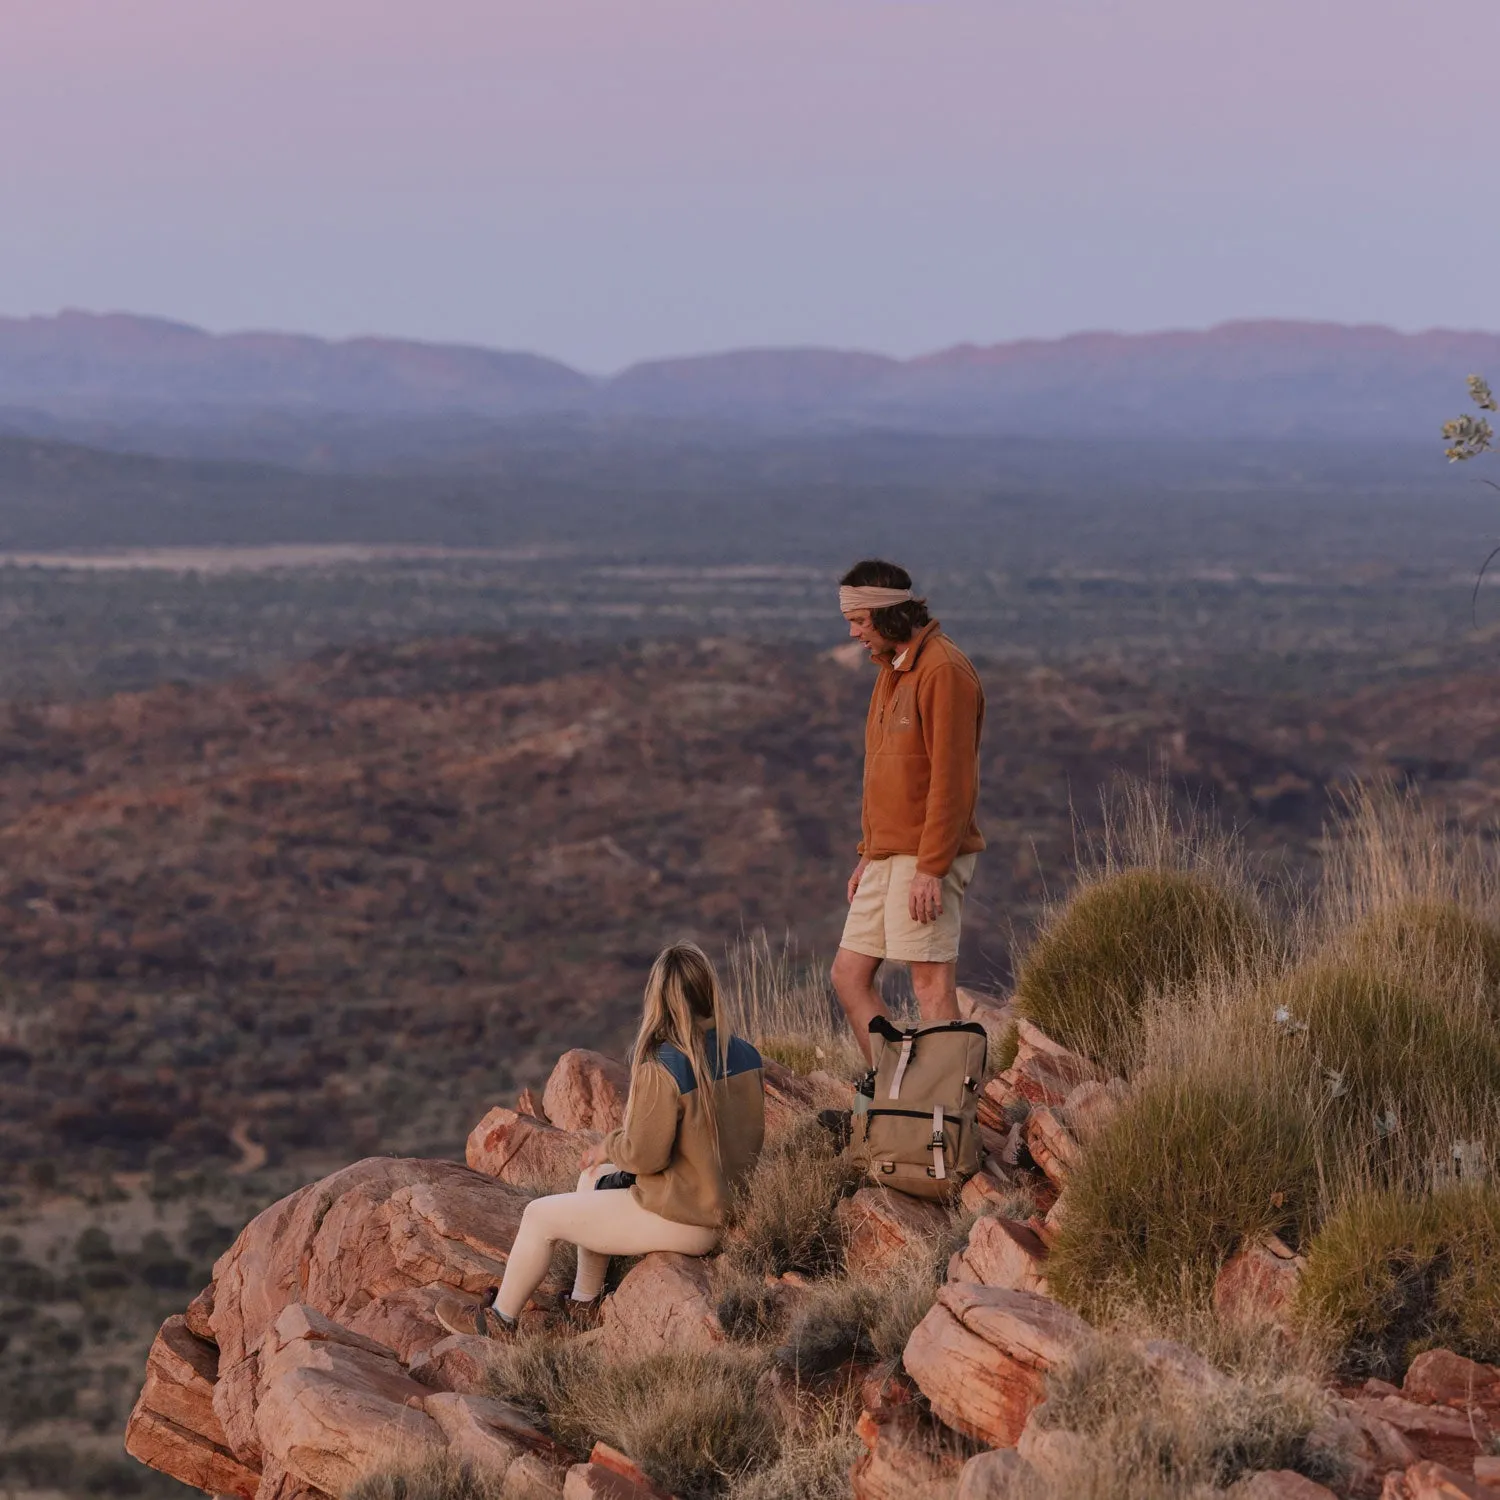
[[682, 993]]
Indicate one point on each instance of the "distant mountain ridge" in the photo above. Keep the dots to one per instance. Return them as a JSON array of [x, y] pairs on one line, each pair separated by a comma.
[[1262, 379]]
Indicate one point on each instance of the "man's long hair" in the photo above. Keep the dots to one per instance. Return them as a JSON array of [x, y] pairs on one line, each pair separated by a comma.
[[897, 622]]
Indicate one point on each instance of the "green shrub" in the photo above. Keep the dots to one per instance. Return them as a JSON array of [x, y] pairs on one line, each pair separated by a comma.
[[1121, 939], [1392, 1273], [1190, 1165], [1433, 937], [1401, 1066]]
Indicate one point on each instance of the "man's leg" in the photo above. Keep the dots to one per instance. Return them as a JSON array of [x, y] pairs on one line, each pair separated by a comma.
[[853, 978], [936, 989]]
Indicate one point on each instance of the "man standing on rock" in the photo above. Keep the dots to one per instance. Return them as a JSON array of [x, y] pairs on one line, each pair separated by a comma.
[[920, 839]]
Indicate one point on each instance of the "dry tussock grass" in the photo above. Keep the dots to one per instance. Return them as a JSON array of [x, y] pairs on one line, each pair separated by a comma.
[[1394, 1272], [1155, 1427], [1161, 902], [690, 1418], [435, 1479], [1344, 1060], [785, 1008], [783, 1219]]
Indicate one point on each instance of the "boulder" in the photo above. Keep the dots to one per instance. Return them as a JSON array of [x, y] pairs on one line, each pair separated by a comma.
[[1441, 1377], [277, 1484], [529, 1154], [174, 1427], [1003, 1253], [792, 1096], [334, 1406], [455, 1363], [378, 1227], [1052, 1221], [1054, 1453], [991, 1187], [404, 1320], [1001, 1474], [586, 1091], [1436, 1433], [666, 1302], [1432, 1481], [882, 1229], [1044, 1071], [907, 1457], [1366, 1447], [610, 1475], [1053, 1146], [527, 1103], [1278, 1484], [494, 1439], [1487, 1470], [199, 1313], [1255, 1287], [982, 1354]]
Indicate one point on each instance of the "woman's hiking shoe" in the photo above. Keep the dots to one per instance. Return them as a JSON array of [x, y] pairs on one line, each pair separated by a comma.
[[460, 1314]]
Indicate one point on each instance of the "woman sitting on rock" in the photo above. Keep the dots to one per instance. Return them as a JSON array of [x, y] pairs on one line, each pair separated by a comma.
[[693, 1128]]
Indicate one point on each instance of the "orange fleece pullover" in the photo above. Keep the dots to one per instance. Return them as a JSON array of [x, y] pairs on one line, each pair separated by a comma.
[[922, 755]]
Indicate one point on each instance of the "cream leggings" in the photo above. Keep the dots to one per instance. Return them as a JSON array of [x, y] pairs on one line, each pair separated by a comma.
[[601, 1224]]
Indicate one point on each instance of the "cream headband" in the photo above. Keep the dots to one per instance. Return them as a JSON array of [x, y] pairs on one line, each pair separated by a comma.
[[851, 600]]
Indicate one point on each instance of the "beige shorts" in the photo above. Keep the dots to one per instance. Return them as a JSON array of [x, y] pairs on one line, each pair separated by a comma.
[[880, 925]]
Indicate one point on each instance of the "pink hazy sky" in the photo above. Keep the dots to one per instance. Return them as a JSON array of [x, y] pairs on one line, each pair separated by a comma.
[[606, 180]]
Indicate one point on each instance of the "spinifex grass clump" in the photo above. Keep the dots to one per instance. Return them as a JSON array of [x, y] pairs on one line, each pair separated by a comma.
[[1406, 1058], [783, 1218], [1157, 1429], [1191, 1165], [1431, 936], [690, 1418], [1392, 1273], [1122, 939]]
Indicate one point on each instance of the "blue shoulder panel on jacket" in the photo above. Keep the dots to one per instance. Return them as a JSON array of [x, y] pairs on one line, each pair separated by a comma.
[[740, 1057], [675, 1061]]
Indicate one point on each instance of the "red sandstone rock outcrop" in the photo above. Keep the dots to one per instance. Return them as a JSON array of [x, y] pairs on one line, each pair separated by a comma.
[[174, 1427], [882, 1229], [665, 1303], [1256, 1285], [1002, 1253], [586, 1091], [1437, 1433], [1432, 1481], [610, 1475], [981, 1357], [332, 1405], [527, 1153], [1052, 1144], [1441, 1377], [906, 1457]]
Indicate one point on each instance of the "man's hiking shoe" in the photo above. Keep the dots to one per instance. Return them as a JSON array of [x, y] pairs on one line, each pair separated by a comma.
[[460, 1314], [839, 1123]]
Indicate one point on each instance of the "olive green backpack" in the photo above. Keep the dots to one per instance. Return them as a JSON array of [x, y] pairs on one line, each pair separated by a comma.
[[918, 1132]]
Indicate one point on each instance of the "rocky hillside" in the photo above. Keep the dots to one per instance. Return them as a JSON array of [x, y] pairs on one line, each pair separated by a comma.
[[337, 908], [312, 1366]]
